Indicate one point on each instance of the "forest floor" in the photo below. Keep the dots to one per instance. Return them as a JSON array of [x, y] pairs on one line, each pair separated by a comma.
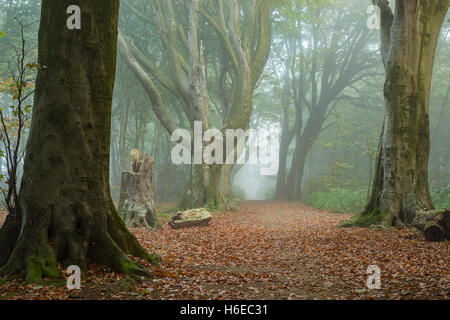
[[269, 250]]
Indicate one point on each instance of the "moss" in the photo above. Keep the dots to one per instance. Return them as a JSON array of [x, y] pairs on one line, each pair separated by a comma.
[[429, 224], [154, 259], [365, 220], [39, 267], [34, 272], [131, 268]]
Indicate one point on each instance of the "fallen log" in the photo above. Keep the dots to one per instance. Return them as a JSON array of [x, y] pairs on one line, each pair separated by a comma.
[[435, 225], [191, 218]]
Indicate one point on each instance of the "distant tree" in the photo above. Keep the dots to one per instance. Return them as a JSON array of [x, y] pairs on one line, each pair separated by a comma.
[[321, 65]]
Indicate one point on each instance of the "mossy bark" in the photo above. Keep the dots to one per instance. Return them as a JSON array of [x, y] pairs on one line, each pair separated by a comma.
[[202, 188], [225, 180], [67, 214], [409, 39]]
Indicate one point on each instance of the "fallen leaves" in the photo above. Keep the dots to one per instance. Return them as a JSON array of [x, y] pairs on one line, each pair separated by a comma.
[[271, 250]]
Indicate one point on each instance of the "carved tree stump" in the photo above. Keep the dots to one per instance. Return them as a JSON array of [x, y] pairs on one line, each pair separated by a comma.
[[136, 206]]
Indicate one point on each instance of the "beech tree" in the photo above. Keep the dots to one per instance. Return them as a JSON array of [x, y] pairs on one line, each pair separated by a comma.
[[315, 80], [409, 36], [65, 209], [244, 32]]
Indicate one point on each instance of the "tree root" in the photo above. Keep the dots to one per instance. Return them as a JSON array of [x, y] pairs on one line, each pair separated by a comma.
[[35, 258]]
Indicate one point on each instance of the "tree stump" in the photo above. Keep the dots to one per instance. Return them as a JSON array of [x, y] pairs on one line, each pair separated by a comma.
[[191, 218], [435, 226], [136, 206]]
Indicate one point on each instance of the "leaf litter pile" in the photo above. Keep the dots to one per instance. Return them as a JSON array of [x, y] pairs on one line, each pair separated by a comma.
[[268, 250]]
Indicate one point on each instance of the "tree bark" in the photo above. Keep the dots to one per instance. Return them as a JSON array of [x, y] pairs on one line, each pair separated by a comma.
[[225, 180], [305, 141], [408, 39], [65, 204]]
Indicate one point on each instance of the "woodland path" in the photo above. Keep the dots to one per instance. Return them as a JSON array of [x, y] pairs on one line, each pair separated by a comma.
[[273, 250]]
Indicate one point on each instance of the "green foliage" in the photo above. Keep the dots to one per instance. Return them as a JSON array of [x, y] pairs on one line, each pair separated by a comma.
[[338, 200], [441, 198], [375, 218]]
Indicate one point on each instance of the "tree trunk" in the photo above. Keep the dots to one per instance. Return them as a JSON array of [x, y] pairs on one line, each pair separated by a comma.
[[287, 135], [409, 40], [225, 180], [123, 133], [136, 205], [305, 141], [282, 169], [202, 188], [68, 152]]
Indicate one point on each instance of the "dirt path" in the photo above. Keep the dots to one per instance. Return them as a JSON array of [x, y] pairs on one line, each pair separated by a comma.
[[274, 250]]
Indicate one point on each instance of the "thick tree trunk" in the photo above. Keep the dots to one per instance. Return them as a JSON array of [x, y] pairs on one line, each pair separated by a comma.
[[225, 180], [202, 188], [215, 196], [136, 206], [68, 151], [409, 40]]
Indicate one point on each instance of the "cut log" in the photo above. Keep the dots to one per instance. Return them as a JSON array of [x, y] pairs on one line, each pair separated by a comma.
[[191, 218], [136, 206], [434, 232], [435, 225]]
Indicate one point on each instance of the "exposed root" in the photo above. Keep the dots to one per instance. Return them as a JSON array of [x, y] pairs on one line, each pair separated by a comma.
[[365, 220], [34, 264], [34, 258]]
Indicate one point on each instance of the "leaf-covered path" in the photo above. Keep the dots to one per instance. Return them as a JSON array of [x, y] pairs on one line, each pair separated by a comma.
[[273, 250]]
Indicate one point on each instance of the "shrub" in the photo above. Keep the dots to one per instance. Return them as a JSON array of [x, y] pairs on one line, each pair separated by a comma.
[[338, 200], [441, 198]]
